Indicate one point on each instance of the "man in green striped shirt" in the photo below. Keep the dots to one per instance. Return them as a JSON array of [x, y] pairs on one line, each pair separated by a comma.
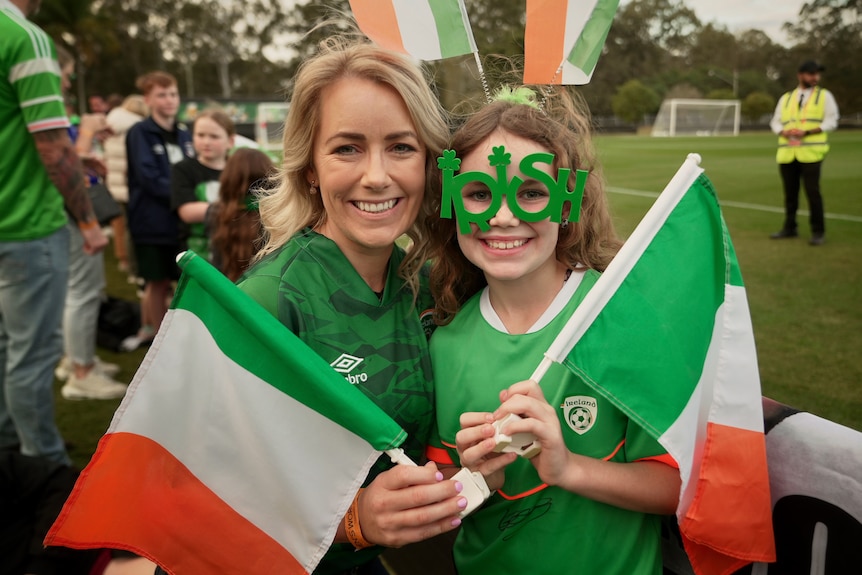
[[40, 175]]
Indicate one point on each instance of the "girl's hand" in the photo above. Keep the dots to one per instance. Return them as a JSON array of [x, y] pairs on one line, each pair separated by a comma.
[[406, 504], [526, 399], [642, 486], [475, 444]]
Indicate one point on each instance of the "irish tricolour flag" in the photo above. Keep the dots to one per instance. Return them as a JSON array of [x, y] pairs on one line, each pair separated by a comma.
[[564, 39], [666, 335], [425, 29], [237, 449]]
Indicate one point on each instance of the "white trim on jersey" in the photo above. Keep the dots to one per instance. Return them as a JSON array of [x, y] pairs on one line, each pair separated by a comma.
[[33, 68], [560, 301]]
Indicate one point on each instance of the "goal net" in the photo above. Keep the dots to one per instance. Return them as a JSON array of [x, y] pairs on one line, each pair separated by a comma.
[[693, 117]]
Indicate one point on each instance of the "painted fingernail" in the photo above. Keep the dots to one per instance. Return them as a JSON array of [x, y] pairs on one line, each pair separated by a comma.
[[439, 476], [462, 502], [456, 522], [459, 487]]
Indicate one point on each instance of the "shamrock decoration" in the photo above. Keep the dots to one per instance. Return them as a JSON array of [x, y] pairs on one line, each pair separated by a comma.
[[449, 161], [502, 188], [499, 157]]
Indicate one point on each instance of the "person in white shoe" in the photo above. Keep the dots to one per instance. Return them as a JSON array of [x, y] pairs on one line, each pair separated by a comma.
[[40, 173], [86, 284]]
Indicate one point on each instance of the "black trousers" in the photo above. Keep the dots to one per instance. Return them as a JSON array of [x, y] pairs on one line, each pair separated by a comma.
[[792, 175]]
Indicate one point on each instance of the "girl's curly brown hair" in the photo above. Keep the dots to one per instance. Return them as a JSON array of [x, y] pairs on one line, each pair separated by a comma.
[[237, 230]]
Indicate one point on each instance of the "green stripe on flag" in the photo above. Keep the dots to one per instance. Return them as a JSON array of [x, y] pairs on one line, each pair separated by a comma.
[[734, 274], [646, 349], [587, 49], [258, 342], [453, 28]]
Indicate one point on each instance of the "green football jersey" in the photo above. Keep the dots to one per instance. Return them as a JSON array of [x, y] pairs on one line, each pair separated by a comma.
[[527, 526], [30, 101], [379, 344]]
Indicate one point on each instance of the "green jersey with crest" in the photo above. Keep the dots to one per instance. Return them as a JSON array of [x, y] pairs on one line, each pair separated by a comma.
[[527, 526], [379, 343]]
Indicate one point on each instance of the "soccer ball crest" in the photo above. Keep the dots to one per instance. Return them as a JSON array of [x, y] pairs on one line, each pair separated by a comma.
[[580, 412]]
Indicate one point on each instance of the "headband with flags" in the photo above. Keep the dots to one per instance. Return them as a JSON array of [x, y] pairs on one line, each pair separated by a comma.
[[563, 38], [425, 29]]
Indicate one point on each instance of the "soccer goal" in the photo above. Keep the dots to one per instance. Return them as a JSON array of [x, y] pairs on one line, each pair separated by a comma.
[[694, 117]]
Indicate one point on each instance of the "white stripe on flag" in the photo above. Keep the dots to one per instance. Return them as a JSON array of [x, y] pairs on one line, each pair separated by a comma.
[[737, 395], [418, 29], [577, 16], [727, 393], [242, 437]]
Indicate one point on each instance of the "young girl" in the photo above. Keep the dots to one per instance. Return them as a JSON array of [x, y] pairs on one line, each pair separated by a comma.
[[234, 221], [195, 181], [591, 500]]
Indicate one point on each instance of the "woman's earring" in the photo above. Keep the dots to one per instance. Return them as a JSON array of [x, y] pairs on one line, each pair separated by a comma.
[[565, 223], [312, 188]]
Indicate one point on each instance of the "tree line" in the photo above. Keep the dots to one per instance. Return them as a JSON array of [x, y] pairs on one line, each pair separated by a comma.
[[655, 49]]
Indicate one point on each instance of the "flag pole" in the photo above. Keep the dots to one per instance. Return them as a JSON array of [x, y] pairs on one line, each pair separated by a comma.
[[482, 76], [466, 21], [602, 291], [619, 267], [398, 456]]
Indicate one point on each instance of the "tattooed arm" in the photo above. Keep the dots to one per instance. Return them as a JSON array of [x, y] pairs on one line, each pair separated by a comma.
[[67, 173]]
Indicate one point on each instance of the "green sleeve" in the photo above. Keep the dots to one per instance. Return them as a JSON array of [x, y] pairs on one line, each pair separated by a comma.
[[264, 289]]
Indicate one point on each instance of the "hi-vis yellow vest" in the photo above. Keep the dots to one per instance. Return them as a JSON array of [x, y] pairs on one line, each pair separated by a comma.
[[811, 148]]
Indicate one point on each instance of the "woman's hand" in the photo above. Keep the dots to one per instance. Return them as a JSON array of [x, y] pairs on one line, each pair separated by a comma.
[[406, 504], [475, 444]]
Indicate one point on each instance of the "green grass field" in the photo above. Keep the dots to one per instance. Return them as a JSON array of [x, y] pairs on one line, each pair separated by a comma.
[[805, 301]]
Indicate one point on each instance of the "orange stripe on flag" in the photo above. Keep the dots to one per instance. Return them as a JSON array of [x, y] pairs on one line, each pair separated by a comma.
[[544, 41], [179, 521], [730, 492], [377, 20]]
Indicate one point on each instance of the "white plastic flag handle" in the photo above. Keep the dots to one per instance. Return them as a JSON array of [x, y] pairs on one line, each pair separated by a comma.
[[475, 488]]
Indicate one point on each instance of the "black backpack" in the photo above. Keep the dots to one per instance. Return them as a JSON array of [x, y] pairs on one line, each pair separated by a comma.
[[118, 319]]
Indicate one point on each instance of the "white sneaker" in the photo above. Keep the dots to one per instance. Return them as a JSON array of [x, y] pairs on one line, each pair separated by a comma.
[[64, 369], [143, 337], [95, 385]]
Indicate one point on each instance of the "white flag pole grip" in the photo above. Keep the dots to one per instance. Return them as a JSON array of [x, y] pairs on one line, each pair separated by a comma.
[[524, 444], [398, 456], [475, 489]]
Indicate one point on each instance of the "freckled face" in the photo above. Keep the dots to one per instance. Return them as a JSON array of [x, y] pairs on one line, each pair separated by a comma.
[[211, 142], [368, 164], [511, 249]]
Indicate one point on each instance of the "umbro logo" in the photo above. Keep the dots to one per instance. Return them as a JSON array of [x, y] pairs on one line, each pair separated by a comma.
[[345, 363]]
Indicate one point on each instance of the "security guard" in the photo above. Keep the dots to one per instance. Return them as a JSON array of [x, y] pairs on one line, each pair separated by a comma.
[[802, 118]]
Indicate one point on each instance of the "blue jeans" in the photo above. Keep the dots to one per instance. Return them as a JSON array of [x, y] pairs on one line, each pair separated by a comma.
[[33, 276], [83, 299]]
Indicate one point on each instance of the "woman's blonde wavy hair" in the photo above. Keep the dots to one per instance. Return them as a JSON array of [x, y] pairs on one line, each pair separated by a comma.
[[289, 206], [559, 122]]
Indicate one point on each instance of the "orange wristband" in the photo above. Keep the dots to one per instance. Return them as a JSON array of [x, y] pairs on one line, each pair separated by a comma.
[[351, 525], [88, 225]]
